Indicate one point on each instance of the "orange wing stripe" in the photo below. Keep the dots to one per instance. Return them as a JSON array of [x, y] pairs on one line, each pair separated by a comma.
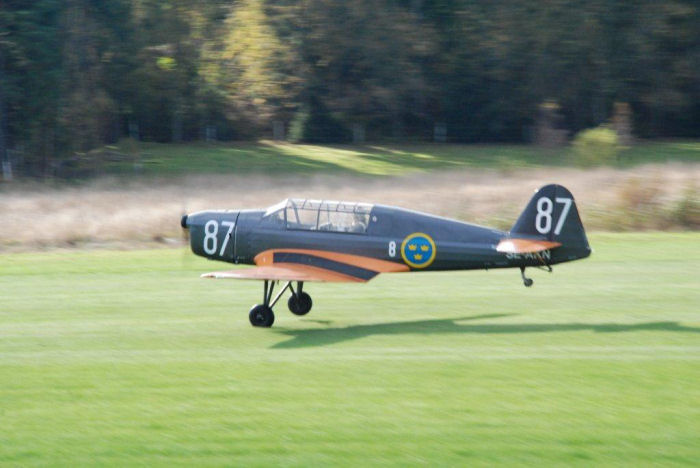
[[292, 265], [380, 266], [525, 245]]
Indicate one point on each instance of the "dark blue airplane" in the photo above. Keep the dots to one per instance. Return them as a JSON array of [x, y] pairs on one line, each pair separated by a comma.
[[299, 240]]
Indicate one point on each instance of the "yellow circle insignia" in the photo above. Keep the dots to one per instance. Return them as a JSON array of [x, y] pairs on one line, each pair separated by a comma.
[[418, 250]]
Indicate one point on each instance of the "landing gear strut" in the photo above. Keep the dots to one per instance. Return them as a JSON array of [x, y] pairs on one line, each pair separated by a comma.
[[544, 266], [526, 281], [299, 303]]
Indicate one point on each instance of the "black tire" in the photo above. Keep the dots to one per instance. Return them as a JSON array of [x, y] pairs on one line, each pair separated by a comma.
[[261, 316], [528, 282], [300, 304]]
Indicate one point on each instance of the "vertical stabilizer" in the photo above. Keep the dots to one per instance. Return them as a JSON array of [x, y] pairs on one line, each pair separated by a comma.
[[552, 216]]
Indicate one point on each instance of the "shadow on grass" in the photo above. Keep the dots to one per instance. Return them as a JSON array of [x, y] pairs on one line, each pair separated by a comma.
[[326, 336]]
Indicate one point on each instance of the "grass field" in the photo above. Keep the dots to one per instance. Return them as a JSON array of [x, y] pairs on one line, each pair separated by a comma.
[[274, 158], [128, 358]]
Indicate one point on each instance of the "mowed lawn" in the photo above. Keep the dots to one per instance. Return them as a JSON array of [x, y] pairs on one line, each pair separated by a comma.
[[129, 358], [391, 159]]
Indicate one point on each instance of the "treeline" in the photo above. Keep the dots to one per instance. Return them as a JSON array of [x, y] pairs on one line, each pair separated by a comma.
[[75, 74]]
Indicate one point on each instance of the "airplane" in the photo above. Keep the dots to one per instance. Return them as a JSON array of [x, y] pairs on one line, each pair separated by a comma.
[[301, 240]]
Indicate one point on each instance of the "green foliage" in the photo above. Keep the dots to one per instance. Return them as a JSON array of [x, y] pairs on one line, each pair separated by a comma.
[[594, 365], [166, 63], [79, 73], [30, 73], [596, 146], [298, 125], [314, 124], [256, 69]]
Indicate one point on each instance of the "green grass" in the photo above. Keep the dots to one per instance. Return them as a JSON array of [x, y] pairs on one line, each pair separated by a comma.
[[128, 358], [375, 160]]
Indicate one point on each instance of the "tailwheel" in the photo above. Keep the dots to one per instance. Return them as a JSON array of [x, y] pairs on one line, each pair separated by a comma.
[[261, 316], [526, 281], [300, 304]]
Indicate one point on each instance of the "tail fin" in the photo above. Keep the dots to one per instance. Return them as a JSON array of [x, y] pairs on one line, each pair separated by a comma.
[[552, 216]]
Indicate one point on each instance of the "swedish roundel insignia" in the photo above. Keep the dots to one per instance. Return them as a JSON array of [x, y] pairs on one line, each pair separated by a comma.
[[418, 250]]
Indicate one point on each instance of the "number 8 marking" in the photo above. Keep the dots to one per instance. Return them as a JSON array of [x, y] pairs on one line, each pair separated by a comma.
[[544, 214], [209, 235]]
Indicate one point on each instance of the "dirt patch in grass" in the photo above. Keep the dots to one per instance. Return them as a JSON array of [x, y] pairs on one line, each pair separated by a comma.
[[116, 213]]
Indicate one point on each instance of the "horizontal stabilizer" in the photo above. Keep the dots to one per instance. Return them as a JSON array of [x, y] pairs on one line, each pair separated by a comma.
[[518, 246]]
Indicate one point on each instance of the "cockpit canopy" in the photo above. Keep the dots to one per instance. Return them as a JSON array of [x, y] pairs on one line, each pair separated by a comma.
[[320, 215]]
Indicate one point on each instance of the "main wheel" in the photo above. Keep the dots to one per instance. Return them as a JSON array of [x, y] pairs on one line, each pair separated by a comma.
[[527, 282], [300, 304], [261, 316]]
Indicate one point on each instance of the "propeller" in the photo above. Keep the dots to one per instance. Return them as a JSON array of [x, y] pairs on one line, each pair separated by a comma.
[[183, 223], [185, 235], [185, 229]]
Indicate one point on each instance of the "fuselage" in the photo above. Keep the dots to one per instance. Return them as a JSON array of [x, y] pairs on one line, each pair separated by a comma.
[[421, 241], [299, 241]]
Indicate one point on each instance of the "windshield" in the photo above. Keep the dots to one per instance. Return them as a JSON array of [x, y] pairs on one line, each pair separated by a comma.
[[321, 215]]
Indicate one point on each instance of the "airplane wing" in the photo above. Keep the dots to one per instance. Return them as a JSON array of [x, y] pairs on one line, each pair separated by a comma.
[[311, 265], [519, 246], [282, 273]]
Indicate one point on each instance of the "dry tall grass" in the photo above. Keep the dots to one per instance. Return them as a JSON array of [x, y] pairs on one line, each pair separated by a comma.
[[118, 214]]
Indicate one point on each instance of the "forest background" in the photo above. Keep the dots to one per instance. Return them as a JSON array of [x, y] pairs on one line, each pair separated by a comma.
[[78, 74]]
